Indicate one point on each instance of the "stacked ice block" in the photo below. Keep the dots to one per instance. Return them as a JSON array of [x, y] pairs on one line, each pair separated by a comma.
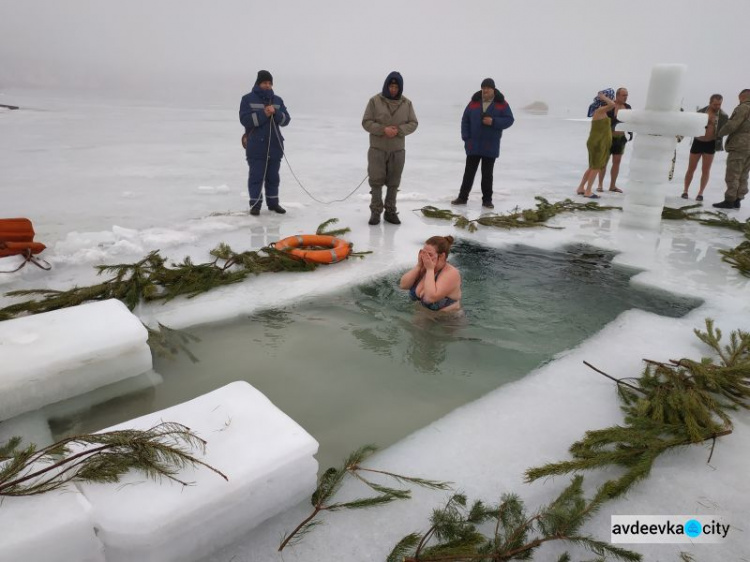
[[57, 355], [266, 456]]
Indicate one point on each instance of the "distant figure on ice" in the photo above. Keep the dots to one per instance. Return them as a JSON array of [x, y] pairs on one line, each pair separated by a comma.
[[599, 142], [704, 147], [482, 125], [619, 140], [737, 131], [389, 117], [262, 113], [434, 282]]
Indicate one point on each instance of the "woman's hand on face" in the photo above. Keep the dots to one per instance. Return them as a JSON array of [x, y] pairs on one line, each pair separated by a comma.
[[429, 261]]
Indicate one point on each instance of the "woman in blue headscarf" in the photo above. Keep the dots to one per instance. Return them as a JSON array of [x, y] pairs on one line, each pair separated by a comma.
[[599, 142]]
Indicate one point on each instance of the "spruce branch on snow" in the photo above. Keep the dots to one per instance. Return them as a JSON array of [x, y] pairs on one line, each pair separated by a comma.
[[517, 218], [458, 532], [673, 404], [152, 278], [332, 479], [157, 453]]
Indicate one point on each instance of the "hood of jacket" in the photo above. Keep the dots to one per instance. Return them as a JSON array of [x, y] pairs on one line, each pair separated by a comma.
[[399, 80], [499, 97]]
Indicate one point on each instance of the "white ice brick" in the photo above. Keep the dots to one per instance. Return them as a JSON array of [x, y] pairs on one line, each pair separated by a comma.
[[52, 527], [267, 457], [56, 355]]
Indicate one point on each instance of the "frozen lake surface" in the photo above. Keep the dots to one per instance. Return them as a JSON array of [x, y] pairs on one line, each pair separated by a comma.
[[109, 181]]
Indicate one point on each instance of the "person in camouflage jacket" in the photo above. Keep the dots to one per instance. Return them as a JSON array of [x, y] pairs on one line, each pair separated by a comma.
[[737, 131]]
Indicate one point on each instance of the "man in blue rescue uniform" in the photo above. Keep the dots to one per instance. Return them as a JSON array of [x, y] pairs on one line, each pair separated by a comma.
[[263, 113], [482, 125]]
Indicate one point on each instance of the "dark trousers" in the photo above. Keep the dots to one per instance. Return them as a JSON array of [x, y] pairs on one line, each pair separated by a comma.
[[258, 172], [472, 164]]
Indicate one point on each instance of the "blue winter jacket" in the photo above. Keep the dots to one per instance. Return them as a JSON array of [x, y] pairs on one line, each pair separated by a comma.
[[484, 140], [258, 127]]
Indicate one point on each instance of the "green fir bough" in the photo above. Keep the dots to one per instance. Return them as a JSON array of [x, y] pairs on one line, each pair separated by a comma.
[[157, 453], [518, 218], [673, 404]]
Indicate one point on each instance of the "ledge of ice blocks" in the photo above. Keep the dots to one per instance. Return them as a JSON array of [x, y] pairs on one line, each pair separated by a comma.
[[267, 457], [49, 527], [57, 355]]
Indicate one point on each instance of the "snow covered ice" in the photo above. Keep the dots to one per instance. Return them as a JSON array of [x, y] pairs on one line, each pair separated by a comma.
[[100, 192]]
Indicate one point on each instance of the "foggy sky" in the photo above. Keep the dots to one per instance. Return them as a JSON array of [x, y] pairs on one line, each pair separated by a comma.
[[535, 49]]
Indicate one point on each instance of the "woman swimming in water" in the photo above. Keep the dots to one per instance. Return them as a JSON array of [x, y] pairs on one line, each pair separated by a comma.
[[434, 282]]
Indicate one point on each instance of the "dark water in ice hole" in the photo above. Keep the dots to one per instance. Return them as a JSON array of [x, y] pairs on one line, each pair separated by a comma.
[[369, 366]]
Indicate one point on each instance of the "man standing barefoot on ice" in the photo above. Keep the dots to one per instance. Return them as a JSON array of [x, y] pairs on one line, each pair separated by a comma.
[[705, 147], [619, 140]]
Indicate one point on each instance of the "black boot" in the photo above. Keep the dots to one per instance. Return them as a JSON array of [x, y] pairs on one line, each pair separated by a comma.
[[374, 218], [459, 201], [277, 209], [255, 211], [737, 203], [727, 204], [391, 217]]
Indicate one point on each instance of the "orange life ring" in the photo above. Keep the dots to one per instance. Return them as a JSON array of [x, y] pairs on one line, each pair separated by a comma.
[[339, 249]]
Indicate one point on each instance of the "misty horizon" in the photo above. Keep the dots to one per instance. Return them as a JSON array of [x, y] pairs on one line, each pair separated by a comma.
[[199, 52]]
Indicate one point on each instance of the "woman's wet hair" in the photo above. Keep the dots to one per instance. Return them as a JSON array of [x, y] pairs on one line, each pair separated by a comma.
[[441, 243]]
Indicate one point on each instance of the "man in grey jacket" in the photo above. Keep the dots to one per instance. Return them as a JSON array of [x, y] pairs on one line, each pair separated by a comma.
[[737, 131], [389, 117]]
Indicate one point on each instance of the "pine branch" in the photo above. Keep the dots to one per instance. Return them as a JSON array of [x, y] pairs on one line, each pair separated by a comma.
[[457, 538], [331, 480], [518, 218], [618, 381], [168, 342], [321, 230], [681, 213], [152, 278], [673, 404], [159, 452]]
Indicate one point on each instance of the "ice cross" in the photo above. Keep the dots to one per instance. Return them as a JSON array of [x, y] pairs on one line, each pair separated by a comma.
[[657, 126]]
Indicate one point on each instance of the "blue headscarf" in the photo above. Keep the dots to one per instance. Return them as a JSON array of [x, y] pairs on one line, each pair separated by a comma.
[[609, 92]]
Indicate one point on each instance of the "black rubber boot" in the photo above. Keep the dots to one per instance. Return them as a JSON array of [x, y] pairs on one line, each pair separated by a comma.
[[374, 218], [727, 204], [277, 209], [459, 201], [737, 203], [391, 217], [255, 211]]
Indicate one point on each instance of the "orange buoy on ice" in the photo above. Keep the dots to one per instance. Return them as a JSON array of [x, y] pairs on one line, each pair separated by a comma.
[[335, 250], [17, 238]]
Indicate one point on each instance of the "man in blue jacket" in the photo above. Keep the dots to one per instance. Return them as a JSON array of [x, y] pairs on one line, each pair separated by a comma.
[[263, 113], [482, 125]]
